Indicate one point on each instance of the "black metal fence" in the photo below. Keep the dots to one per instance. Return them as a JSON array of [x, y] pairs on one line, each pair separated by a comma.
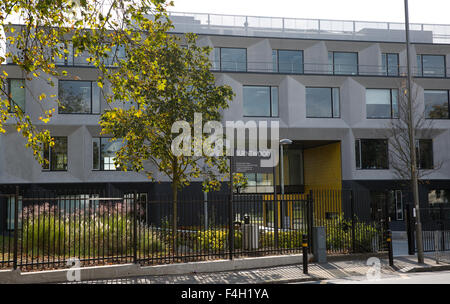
[[352, 223], [436, 228], [43, 230]]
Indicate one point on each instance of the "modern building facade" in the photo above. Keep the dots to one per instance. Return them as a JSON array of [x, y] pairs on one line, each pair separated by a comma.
[[332, 85]]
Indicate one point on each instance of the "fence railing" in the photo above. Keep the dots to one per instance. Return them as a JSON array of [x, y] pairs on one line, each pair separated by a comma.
[[46, 230], [204, 23], [436, 228]]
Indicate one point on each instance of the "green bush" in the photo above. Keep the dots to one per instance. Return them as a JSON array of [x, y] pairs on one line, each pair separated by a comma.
[[286, 239], [339, 235], [217, 240], [106, 233]]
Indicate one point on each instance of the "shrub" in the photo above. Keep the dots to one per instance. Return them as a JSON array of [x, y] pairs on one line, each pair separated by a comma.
[[340, 235], [286, 239], [108, 231]]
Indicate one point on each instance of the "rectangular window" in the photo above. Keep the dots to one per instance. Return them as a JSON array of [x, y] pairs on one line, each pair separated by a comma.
[[322, 103], [79, 97], [382, 103], [436, 104], [390, 64], [230, 59], [260, 101], [65, 51], [104, 151], [372, 154], [115, 55], [431, 65], [439, 196], [286, 61], [16, 92], [259, 183], [10, 212], [424, 152], [343, 63], [56, 155]]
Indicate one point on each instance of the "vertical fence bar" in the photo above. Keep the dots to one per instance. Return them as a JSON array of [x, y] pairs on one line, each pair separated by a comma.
[[230, 213], [352, 211], [134, 228], [16, 227]]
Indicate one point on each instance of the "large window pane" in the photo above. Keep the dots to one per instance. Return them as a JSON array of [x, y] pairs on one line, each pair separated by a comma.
[[390, 64], [108, 153], [436, 104], [17, 92], [233, 59], [378, 103], [433, 66], [260, 101], [345, 63], [56, 155], [104, 152], [373, 154], [322, 102], [290, 61], [81, 97], [424, 151], [439, 197]]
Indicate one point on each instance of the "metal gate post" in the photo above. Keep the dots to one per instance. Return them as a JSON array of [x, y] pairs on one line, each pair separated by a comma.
[[16, 227], [410, 229]]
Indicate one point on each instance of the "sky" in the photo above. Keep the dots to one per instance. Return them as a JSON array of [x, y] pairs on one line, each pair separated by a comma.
[[421, 11]]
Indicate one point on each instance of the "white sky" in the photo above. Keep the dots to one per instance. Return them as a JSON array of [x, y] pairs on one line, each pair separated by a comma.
[[421, 11]]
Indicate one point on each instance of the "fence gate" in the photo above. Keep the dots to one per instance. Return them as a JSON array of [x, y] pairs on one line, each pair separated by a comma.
[[436, 228], [355, 222]]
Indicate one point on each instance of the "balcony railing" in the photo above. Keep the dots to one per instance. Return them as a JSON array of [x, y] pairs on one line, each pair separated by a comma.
[[326, 69], [203, 23]]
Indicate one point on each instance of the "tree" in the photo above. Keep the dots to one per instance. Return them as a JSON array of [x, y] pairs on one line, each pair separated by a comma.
[[35, 33], [168, 79], [400, 143]]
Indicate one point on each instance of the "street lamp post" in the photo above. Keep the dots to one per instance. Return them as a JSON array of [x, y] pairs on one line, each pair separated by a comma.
[[283, 205]]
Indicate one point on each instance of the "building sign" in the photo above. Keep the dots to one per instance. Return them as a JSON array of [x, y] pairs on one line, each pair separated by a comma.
[[250, 161]]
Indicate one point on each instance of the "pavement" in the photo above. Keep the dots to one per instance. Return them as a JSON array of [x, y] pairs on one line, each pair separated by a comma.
[[371, 269]]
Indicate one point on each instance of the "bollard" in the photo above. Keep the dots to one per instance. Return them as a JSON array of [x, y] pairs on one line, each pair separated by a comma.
[[390, 251], [305, 253]]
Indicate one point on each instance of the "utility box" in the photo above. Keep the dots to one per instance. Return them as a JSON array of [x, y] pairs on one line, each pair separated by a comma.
[[319, 244], [250, 237]]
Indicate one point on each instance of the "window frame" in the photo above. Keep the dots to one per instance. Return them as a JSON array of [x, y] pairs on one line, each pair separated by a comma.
[[289, 50], [49, 150], [344, 52], [418, 149], [270, 101], [331, 103], [100, 163], [448, 105], [235, 48], [91, 99], [8, 87], [386, 62], [421, 70], [360, 157], [391, 103]]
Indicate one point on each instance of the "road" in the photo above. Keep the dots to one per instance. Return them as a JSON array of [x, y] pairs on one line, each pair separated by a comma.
[[441, 277]]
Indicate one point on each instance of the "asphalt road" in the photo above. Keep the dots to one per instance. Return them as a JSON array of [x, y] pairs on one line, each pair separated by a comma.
[[440, 277]]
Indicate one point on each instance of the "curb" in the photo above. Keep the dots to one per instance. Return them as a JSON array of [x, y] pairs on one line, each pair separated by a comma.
[[429, 269], [135, 270], [287, 281]]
